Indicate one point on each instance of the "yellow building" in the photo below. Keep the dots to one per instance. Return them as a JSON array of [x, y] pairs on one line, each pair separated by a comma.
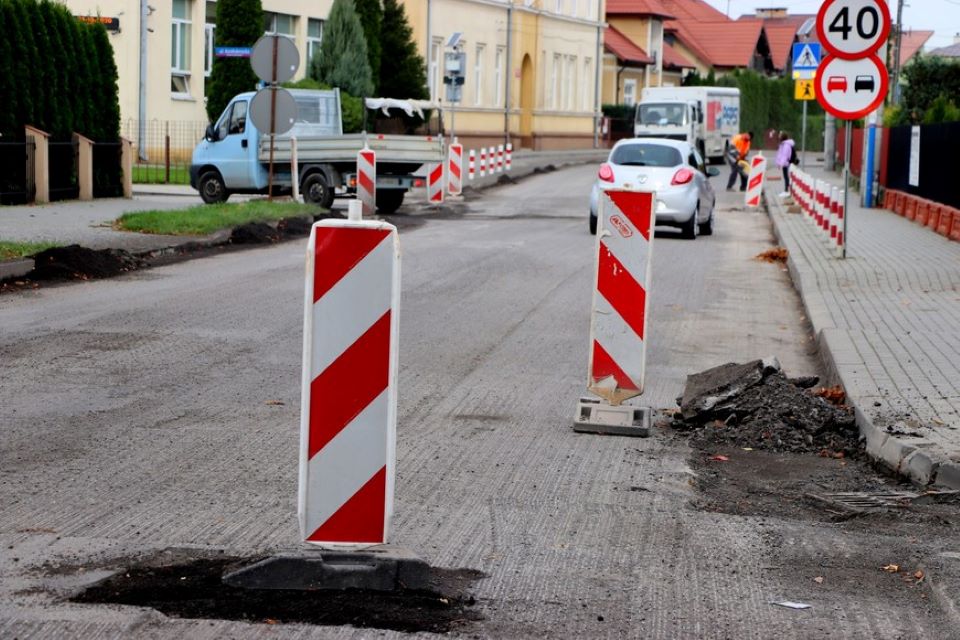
[[531, 74]]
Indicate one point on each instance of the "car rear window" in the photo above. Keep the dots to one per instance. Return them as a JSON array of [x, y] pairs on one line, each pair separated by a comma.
[[646, 155]]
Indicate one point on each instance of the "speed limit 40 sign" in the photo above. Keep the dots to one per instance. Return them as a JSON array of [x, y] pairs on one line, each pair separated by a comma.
[[853, 29]]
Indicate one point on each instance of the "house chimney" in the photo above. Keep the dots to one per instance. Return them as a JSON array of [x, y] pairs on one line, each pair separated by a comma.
[[767, 13], [956, 38]]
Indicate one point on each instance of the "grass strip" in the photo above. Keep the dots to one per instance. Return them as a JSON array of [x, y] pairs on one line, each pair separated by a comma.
[[207, 218], [157, 174], [10, 250]]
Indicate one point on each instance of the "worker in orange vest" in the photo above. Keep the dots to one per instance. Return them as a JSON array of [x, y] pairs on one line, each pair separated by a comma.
[[737, 159]]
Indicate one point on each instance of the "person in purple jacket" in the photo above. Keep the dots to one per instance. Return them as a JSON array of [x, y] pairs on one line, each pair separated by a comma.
[[786, 155]]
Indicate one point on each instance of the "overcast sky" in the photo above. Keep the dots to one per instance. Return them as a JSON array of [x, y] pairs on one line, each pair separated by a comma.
[[941, 16]]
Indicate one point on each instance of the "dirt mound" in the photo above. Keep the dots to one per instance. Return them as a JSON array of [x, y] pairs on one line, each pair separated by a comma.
[[755, 405], [545, 169], [254, 233], [80, 263], [295, 227], [505, 179]]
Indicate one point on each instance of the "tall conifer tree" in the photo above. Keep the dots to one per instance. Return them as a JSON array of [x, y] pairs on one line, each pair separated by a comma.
[[239, 24], [342, 61]]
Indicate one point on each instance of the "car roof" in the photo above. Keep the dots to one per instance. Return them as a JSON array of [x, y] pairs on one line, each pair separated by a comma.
[[680, 145]]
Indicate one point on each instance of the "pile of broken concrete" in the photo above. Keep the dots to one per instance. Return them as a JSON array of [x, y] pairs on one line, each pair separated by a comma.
[[755, 405]]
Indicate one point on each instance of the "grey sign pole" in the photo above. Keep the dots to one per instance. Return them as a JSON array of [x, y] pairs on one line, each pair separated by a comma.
[[803, 140]]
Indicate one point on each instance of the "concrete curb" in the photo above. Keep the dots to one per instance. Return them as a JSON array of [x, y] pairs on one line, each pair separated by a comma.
[[916, 459], [15, 268]]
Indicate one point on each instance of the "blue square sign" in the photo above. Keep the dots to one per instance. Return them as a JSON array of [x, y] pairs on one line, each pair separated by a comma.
[[806, 56]]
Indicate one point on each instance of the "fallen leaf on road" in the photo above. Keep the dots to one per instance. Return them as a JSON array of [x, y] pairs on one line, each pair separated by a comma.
[[748, 448], [918, 575], [818, 579], [719, 458], [270, 621], [892, 568], [278, 403], [777, 254], [833, 395]]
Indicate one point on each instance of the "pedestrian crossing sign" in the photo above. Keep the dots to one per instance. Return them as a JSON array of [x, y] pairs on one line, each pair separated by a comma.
[[804, 90], [806, 59]]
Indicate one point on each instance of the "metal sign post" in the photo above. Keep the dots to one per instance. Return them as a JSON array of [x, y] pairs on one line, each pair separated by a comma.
[[806, 59], [274, 59]]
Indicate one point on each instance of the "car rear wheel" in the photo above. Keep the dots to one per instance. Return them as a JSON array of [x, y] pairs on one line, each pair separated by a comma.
[[706, 229], [389, 200], [691, 228]]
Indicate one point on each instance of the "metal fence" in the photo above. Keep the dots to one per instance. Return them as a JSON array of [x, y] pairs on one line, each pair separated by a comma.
[[16, 171], [937, 162], [63, 170], [164, 156]]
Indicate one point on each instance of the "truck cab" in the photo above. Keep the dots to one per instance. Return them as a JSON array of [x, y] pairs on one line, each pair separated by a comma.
[[673, 120], [226, 160]]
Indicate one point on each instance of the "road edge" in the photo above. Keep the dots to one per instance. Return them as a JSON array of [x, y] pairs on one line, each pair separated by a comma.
[[922, 462]]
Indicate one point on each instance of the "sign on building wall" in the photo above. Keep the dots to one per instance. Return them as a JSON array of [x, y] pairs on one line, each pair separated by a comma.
[[112, 24], [914, 157]]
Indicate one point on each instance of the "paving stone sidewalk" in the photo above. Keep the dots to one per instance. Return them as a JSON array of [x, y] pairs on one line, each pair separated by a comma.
[[887, 320]]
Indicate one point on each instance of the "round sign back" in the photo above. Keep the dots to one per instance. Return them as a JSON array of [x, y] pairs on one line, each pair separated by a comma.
[[288, 58], [853, 29], [850, 89], [285, 115]]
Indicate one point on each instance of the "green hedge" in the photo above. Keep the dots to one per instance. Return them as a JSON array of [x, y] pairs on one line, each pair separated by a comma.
[[56, 73]]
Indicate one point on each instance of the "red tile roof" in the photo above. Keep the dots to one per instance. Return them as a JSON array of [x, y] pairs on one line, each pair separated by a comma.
[[624, 48], [693, 10], [781, 39], [911, 42], [720, 44], [673, 59], [638, 8]]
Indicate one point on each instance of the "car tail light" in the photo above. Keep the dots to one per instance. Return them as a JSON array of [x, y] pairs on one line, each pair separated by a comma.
[[606, 173], [682, 177], [419, 183]]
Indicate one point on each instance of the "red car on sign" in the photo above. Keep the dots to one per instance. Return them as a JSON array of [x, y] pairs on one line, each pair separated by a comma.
[[836, 83]]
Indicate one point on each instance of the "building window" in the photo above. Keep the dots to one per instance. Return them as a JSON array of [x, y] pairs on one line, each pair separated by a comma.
[[208, 39], [435, 79], [314, 38], [281, 23], [559, 7], [572, 83], [180, 48], [629, 92], [555, 82], [478, 74], [498, 71]]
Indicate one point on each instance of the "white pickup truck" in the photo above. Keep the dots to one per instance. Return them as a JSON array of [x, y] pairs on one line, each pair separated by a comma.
[[233, 157], [706, 117]]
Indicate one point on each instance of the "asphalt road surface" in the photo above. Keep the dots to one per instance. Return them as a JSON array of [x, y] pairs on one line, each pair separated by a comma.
[[160, 409]]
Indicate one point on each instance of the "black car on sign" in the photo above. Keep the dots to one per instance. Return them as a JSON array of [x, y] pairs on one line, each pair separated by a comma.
[[864, 83]]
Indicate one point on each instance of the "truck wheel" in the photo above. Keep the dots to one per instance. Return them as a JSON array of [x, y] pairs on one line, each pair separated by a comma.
[[317, 190], [389, 200], [211, 187]]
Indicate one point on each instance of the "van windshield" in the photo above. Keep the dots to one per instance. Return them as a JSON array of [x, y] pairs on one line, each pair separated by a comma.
[[662, 114]]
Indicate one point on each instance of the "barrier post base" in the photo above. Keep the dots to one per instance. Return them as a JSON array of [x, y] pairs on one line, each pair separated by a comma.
[[596, 416], [379, 568]]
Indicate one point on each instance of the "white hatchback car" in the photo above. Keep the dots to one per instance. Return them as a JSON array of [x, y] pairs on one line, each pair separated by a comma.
[[674, 169]]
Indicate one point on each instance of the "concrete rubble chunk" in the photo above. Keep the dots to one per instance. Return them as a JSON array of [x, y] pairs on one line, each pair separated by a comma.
[[710, 392]]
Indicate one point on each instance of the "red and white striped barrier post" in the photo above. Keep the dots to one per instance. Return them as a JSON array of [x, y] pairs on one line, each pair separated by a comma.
[[435, 183], [618, 326], [834, 212], [455, 170], [825, 200], [492, 158], [817, 197], [758, 167], [349, 398], [483, 161], [841, 241], [509, 159], [472, 164], [500, 158], [367, 181]]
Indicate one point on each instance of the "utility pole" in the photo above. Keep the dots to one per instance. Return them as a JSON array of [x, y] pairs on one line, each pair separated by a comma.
[[895, 84]]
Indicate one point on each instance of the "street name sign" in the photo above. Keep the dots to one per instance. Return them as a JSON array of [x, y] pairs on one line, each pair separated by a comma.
[[232, 52], [850, 89], [852, 29]]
